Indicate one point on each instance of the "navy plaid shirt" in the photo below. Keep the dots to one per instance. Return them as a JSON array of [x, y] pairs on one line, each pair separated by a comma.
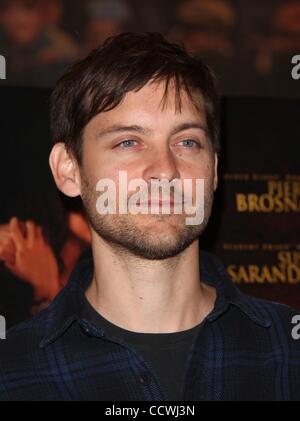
[[244, 350]]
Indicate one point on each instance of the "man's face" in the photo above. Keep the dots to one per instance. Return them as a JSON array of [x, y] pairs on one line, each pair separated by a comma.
[[148, 141]]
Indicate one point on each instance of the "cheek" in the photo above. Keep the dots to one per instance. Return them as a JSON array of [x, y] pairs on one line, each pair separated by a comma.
[[93, 164], [208, 166], [96, 171], [202, 169], [96, 167]]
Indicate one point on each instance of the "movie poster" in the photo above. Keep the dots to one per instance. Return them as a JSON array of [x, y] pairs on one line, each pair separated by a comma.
[[260, 225]]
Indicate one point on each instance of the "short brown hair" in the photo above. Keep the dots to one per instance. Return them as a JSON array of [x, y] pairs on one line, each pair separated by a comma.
[[124, 63]]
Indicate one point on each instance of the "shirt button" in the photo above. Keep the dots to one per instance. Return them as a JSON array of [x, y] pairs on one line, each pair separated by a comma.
[[145, 379]]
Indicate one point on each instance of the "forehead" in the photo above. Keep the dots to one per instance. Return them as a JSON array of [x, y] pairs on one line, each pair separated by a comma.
[[157, 102], [164, 98]]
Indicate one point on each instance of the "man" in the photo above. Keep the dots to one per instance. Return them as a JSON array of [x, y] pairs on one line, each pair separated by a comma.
[[141, 319]]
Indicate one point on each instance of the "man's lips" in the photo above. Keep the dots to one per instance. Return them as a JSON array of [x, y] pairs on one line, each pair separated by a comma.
[[160, 203]]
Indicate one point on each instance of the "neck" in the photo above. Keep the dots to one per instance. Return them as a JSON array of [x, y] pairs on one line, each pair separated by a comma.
[[149, 296]]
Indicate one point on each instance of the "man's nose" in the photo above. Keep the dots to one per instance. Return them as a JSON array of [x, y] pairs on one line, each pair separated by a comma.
[[162, 164]]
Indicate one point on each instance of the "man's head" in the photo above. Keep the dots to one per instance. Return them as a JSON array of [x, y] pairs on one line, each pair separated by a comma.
[[142, 105]]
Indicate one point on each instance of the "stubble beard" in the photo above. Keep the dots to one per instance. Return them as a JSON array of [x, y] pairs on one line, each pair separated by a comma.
[[157, 238]]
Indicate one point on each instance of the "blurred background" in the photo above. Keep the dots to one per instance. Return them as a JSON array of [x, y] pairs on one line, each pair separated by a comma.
[[255, 225], [249, 44]]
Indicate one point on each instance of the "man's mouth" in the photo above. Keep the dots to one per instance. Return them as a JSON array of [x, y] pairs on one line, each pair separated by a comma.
[[161, 203]]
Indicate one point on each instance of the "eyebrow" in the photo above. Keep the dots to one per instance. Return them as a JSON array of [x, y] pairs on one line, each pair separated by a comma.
[[185, 126], [121, 128], [142, 130]]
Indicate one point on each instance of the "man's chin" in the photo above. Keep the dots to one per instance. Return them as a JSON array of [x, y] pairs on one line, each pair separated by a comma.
[[151, 237], [159, 222], [157, 251], [152, 244]]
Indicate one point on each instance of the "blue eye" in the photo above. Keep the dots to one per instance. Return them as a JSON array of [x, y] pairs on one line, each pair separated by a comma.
[[189, 143], [127, 143]]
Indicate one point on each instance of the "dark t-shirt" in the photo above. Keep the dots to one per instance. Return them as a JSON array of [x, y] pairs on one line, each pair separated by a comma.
[[165, 352]]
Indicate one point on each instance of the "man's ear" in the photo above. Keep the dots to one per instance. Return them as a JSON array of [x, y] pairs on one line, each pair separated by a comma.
[[216, 172], [65, 170]]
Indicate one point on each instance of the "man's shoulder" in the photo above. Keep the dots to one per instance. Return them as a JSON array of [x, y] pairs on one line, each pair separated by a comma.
[[23, 339], [283, 322], [25, 369], [274, 309], [30, 336]]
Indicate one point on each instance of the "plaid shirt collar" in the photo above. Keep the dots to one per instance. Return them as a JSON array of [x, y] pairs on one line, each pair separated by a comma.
[[66, 307]]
